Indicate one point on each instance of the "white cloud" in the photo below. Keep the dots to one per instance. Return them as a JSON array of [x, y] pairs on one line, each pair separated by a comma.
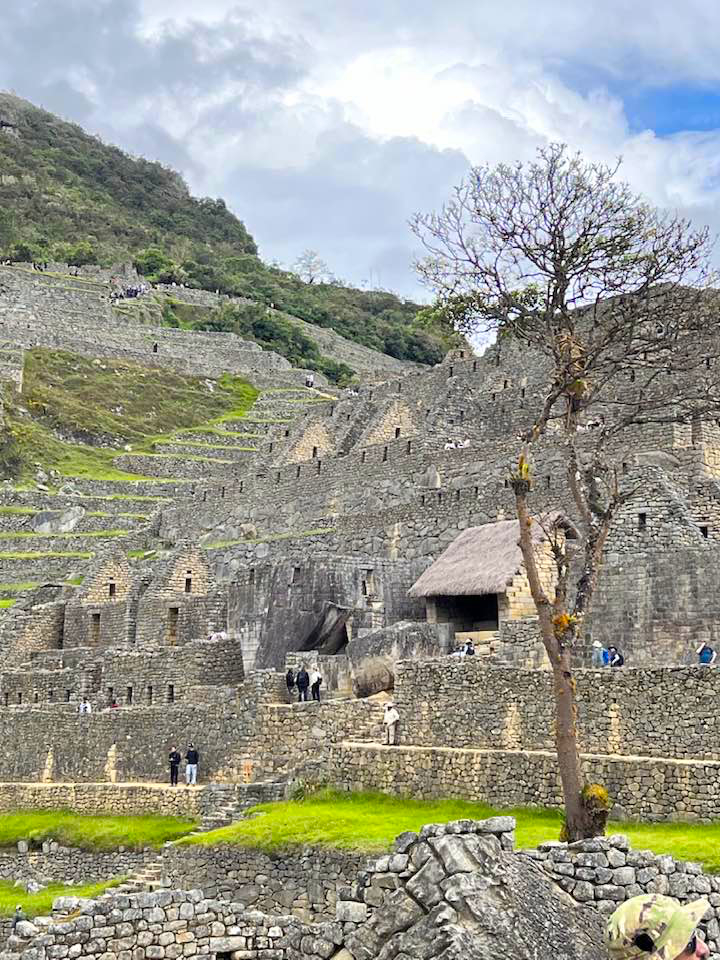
[[327, 124]]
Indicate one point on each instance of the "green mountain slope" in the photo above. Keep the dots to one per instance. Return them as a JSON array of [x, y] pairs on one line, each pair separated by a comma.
[[67, 196]]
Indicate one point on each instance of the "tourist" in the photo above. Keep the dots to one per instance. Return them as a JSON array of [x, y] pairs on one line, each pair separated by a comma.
[[17, 916], [656, 927], [469, 648], [174, 759], [600, 656], [390, 722], [290, 680], [615, 658], [310, 380], [113, 702], [315, 681], [302, 681], [191, 765], [85, 706], [706, 655]]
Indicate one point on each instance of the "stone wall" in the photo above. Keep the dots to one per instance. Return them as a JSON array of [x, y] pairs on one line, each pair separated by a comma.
[[169, 924], [124, 744], [464, 703], [68, 865], [303, 882], [605, 871], [93, 798]]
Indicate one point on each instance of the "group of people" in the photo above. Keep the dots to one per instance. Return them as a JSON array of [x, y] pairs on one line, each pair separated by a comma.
[[304, 681], [606, 657], [466, 649], [451, 444], [192, 758], [128, 293]]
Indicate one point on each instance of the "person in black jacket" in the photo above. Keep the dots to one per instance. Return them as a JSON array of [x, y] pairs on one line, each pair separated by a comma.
[[191, 765], [302, 681], [174, 764], [290, 680]]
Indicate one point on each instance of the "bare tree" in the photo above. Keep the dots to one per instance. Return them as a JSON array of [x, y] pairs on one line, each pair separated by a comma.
[[311, 269], [611, 298]]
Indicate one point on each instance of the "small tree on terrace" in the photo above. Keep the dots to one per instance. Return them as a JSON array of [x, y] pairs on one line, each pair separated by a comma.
[[310, 268], [611, 297]]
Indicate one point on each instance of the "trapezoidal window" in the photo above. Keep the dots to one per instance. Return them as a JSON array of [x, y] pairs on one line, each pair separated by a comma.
[[129, 695], [149, 694], [397, 432], [171, 693], [188, 582], [95, 628], [173, 616], [642, 521], [111, 588]]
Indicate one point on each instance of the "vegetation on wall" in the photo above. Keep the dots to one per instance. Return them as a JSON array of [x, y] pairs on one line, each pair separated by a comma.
[[67, 196], [270, 329]]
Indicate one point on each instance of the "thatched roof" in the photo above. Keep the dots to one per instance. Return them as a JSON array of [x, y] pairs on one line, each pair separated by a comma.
[[480, 560]]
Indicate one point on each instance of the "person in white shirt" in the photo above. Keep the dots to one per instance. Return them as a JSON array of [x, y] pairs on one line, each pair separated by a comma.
[[390, 722]]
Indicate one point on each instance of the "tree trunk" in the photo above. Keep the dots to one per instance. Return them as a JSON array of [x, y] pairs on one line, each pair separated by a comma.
[[568, 752], [579, 823]]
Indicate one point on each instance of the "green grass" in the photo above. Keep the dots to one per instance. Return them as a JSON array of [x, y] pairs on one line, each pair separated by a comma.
[[133, 554], [115, 401], [18, 587], [4, 604], [272, 538], [91, 832], [18, 511], [369, 822], [40, 904]]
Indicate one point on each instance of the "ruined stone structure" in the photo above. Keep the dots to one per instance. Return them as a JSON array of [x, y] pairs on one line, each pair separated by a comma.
[[451, 891], [302, 546]]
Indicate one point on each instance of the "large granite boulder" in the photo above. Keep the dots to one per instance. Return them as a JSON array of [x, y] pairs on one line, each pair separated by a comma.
[[458, 891], [374, 655], [57, 521]]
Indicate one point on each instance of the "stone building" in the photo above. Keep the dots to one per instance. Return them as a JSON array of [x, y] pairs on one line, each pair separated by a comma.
[[479, 582]]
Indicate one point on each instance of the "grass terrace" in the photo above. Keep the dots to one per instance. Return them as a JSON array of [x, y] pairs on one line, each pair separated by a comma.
[[87, 832], [40, 904], [369, 822]]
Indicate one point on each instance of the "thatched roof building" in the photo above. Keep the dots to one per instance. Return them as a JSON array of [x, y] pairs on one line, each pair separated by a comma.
[[481, 560]]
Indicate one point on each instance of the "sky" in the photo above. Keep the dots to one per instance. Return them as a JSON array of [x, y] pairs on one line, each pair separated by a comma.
[[325, 124]]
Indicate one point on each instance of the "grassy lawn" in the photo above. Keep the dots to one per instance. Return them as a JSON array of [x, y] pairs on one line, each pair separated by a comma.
[[39, 904], [91, 832], [370, 822]]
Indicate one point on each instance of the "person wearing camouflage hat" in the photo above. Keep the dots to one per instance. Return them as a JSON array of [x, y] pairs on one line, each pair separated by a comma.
[[654, 927]]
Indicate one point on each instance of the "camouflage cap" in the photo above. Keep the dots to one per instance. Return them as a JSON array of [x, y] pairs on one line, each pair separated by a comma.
[[668, 923]]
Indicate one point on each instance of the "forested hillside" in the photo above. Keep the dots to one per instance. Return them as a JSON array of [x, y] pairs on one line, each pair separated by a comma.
[[67, 196]]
